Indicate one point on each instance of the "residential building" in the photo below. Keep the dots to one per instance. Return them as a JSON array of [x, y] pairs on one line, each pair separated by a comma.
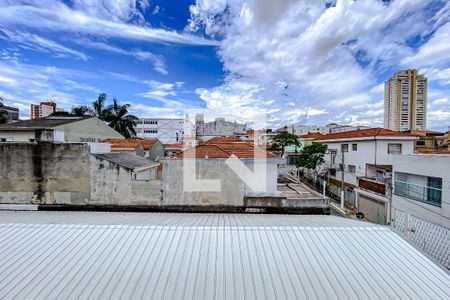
[[166, 130], [405, 101], [421, 202], [43, 109], [58, 129], [12, 113], [171, 149], [365, 153], [429, 140], [218, 127], [329, 128], [148, 148], [334, 128]]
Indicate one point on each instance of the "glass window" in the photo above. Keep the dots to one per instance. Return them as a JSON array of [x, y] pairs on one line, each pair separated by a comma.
[[344, 147], [351, 168], [394, 148], [355, 147]]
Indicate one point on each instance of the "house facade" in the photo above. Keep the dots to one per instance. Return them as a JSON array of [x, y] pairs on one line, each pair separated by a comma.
[[148, 148], [421, 202], [58, 129]]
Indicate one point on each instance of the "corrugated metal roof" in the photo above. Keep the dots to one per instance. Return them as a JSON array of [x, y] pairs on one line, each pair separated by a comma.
[[208, 256]]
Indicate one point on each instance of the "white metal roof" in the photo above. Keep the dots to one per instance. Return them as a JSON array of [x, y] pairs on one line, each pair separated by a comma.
[[208, 256]]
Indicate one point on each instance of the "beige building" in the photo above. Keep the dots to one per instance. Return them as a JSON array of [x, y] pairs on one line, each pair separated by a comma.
[[58, 129], [43, 109], [405, 101]]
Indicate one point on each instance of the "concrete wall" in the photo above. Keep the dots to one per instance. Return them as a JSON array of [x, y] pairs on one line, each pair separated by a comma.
[[88, 130], [232, 188], [157, 151], [425, 165], [44, 173], [112, 184]]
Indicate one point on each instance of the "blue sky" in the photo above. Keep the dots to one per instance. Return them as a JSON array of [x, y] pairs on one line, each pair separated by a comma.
[[294, 61]]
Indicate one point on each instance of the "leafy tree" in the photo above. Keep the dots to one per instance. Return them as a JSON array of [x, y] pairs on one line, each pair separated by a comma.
[[3, 116], [99, 106], [284, 139], [118, 118], [82, 110], [311, 156]]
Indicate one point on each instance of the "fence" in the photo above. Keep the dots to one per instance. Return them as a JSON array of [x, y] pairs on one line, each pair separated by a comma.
[[430, 237]]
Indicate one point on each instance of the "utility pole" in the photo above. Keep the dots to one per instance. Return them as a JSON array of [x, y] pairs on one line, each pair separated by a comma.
[[342, 178]]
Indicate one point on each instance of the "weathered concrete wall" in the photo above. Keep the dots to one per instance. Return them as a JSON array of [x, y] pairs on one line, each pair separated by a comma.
[[44, 173], [157, 151], [232, 188], [17, 136], [113, 185]]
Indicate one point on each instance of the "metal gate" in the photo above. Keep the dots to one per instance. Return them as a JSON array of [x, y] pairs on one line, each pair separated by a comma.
[[373, 210]]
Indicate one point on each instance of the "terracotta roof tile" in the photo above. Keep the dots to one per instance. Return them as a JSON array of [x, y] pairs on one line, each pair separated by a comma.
[[362, 133], [176, 146], [224, 147], [311, 135], [131, 143]]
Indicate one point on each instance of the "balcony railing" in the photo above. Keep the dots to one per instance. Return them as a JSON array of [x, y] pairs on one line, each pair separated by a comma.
[[417, 192], [372, 185]]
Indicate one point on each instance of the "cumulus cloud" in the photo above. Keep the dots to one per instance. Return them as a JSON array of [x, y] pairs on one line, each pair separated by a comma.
[[328, 55]]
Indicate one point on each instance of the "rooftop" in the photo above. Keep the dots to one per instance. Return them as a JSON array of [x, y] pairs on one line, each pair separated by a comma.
[[224, 147], [73, 255], [311, 136], [42, 123], [371, 132], [126, 160], [131, 143]]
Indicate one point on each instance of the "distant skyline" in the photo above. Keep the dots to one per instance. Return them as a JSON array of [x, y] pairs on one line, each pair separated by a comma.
[[311, 62]]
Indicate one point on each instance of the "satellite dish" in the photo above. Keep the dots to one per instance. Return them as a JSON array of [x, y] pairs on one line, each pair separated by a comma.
[[360, 215]]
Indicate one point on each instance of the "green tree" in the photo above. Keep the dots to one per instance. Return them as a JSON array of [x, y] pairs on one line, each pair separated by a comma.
[[99, 106], [311, 156], [118, 118], [284, 139], [3, 116], [82, 110]]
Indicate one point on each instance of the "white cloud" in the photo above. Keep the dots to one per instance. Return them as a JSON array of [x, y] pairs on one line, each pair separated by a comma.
[[158, 61], [160, 90], [104, 19], [327, 58], [39, 43]]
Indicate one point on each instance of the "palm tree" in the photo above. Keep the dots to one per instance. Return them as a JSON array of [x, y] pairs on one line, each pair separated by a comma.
[[99, 106], [3, 116], [118, 118]]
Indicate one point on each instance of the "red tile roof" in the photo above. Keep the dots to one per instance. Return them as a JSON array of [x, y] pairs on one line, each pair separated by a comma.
[[174, 146], [224, 147], [131, 143], [362, 133], [311, 135]]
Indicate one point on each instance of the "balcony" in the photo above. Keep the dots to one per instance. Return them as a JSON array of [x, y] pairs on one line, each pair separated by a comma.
[[417, 192], [372, 184]]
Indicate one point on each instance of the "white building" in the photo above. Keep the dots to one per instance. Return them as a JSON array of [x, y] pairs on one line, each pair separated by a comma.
[[322, 129], [421, 202], [365, 153], [218, 127], [405, 101], [166, 130]]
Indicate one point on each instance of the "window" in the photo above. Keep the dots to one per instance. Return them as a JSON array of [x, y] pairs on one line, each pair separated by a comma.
[[333, 172], [150, 122], [418, 188], [394, 148], [333, 153], [351, 168], [3, 140], [355, 147], [420, 143], [344, 147], [32, 140], [150, 131], [341, 167]]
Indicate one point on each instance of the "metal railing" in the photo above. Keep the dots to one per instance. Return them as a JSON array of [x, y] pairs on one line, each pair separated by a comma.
[[417, 192]]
